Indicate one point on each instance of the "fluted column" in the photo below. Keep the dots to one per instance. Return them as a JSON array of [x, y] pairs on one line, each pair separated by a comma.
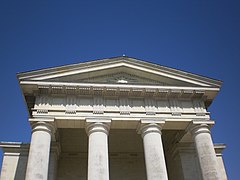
[[153, 151], [98, 166], [38, 158], [205, 151]]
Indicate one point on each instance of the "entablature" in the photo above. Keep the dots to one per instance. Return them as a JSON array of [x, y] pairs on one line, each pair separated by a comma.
[[46, 104], [31, 87]]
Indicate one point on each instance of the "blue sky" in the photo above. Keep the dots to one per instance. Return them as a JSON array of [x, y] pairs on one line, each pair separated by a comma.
[[202, 37]]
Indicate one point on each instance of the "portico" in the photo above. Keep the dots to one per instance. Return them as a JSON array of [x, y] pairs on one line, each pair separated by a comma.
[[118, 118]]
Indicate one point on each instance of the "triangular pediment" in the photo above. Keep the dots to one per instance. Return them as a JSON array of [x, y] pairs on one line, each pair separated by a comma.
[[119, 70]]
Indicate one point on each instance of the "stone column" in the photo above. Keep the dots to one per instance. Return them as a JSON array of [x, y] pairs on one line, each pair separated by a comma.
[[205, 151], [98, 168], [38, 158], [153, 150]]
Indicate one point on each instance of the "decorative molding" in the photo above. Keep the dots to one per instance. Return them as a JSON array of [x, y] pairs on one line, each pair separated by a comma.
[[198, 106], [150, 106], [200, 114], [130, 90], [146, 126], [98, 105], [71, 105], [43, 126], [97, 125], [69, 111], [219, 148], [124, 105], [42, 111], [175, 106], [176, 113], [199, 126], [187, 93]]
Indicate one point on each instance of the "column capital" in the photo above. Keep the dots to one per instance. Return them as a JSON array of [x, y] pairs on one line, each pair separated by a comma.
[[196, 129], [101, 126], [43, 126], [145, 128]]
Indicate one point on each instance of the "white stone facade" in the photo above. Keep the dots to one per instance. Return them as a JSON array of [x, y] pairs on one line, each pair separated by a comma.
[[117, 118]]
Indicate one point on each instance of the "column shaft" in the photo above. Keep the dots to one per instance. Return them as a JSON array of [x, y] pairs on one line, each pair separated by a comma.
[[38, 158], [154, 154], [205, 151], [98, 167]]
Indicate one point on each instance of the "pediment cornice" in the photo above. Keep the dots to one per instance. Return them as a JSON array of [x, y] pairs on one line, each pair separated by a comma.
[[105, 67]]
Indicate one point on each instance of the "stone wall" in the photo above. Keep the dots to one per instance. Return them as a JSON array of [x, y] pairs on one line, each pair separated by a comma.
[[127, 166], [14, 166]]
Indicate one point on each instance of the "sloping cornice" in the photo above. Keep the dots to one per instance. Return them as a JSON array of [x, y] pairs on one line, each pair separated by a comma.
[[118, 62]]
